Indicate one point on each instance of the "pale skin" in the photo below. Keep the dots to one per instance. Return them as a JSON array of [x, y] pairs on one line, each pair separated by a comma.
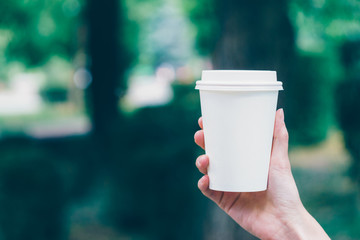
[[276, 213]]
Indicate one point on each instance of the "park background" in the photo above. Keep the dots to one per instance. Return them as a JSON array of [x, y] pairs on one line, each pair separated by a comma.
[[98, 111]]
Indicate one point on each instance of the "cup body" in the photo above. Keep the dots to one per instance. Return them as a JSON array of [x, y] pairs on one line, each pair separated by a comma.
[[238, 128]]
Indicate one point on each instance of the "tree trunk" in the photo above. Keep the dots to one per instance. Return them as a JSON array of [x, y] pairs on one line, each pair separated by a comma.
[[255, 35], [104, 47]]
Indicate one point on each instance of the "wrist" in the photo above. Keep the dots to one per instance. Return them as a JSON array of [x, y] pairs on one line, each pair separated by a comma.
[[300, 226]]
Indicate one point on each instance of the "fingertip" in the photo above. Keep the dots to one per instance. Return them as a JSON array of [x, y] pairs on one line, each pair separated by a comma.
[[280, 131], [197, 135], [279, 152], [280, 114], [200, 122], [205, 161], [203, 183], [202, 163], [199, 138]]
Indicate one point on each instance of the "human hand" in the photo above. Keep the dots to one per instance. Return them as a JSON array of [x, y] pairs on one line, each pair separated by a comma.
[[276, 213]]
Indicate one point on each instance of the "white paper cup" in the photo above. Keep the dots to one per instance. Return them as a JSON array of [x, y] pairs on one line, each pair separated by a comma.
[[238, 110]]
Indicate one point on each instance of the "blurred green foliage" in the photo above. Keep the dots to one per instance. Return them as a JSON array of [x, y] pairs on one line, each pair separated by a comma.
[[203, 14], [31, 192], [153, 193], [310, 104], [32, 29], [348, 107], [348, 99], [309, 63]]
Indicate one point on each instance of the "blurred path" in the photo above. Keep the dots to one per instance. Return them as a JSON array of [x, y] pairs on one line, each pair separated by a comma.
[[71, 126], [322, 176]]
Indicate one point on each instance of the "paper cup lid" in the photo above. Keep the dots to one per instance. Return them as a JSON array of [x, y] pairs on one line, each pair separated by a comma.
[[239, 80]]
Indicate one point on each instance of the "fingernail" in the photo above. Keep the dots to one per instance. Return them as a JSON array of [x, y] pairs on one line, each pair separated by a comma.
[[281, 115], [199, 160], [197, 163], [201, 182], [195, 136]]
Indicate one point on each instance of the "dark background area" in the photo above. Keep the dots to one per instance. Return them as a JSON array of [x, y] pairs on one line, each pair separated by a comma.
[[98, 111]]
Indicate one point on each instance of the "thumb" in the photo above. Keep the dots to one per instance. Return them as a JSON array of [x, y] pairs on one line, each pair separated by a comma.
[[279, 153]]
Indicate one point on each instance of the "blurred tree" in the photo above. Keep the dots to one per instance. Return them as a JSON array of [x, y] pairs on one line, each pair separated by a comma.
[[147, 153], [33, 33], [348, 104], [243, 34], [154, 196], [106, 68], [309, 98], [260, 35], [329, 31], [156, 151], [321, 28]]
